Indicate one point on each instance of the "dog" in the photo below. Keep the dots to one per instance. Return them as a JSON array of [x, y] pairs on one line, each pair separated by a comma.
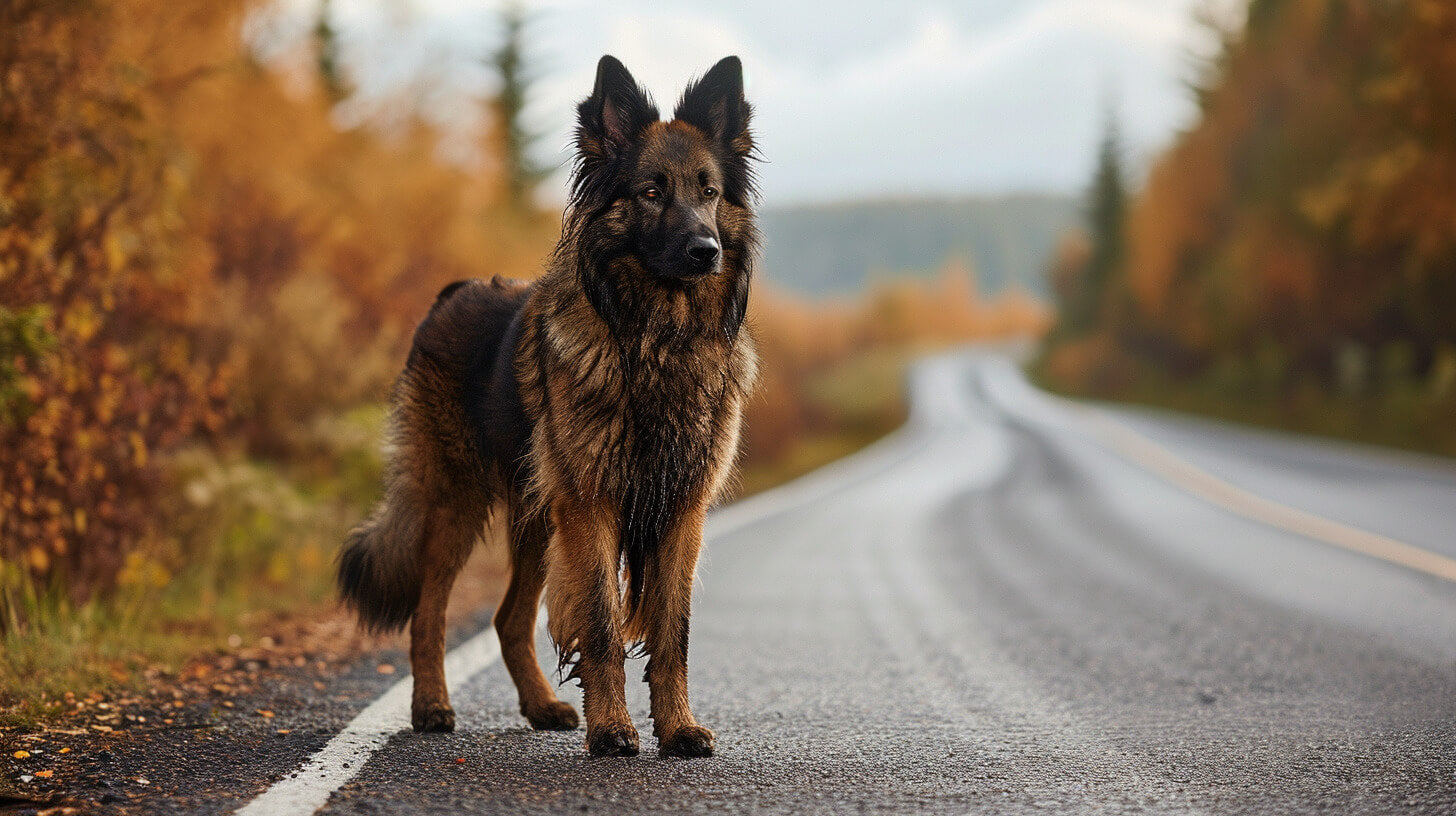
[[595, 413]]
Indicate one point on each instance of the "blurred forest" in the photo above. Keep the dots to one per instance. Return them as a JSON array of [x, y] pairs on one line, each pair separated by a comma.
[[1291, 260], [207, 286]]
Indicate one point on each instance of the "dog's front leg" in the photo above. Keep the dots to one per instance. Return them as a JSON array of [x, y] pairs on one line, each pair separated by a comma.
[[666, 605], [584, 608]]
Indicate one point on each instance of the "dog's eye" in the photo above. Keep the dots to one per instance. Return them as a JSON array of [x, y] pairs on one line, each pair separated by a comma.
[[710, 192], [652, 194]]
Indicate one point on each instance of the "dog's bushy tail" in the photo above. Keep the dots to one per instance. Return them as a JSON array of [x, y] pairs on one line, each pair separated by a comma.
[[379, 568]]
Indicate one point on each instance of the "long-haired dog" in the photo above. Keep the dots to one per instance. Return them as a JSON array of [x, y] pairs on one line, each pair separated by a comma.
[[595, 412]]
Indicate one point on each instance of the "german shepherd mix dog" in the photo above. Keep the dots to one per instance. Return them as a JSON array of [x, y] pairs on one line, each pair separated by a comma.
[[595, 411]]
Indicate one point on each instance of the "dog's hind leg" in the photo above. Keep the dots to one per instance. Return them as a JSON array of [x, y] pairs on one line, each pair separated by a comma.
[[515, 622], [448, 538], [585, 608], [662, 619]]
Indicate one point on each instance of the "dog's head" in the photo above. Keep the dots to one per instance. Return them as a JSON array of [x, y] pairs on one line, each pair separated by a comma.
[[666, 193]]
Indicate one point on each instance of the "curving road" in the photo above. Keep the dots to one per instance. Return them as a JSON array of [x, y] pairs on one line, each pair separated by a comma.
[[1016, 604]]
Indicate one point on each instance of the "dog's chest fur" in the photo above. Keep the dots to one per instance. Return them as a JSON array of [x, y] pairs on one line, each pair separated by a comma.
[[643, 416]]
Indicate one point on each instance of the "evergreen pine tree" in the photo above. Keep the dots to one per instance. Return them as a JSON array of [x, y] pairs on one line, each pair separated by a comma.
[[1107, 207], [522, 173], [326, 45]]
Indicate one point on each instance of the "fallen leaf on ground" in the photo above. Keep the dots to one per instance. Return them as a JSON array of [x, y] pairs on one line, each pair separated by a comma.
[[265, 713], [21, 755], [385, 668], [283, 731], [45, 774]]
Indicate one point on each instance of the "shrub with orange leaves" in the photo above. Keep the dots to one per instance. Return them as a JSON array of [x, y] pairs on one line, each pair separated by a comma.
[[99, 367], [191, 252]]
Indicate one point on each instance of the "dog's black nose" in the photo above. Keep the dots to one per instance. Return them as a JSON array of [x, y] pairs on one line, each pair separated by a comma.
[[703, 250]]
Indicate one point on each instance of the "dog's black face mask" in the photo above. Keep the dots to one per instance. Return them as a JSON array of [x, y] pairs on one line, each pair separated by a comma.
[[673, 199], [661, 183]]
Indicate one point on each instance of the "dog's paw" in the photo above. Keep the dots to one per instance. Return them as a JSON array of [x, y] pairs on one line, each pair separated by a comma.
[[554, 716], [689, 741], [615, 740], [433, 720]]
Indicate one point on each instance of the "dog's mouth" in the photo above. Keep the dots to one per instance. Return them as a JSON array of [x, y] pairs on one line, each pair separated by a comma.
[[684, 273], [693, 274]]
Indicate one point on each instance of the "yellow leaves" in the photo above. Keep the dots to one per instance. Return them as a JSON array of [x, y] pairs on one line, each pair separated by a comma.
[[116, 254], [176, 354], [1391, 166], [142, 572], [38, 559], [1322, 206], [21, 755], [138, 449], [81, 321], [280, 567]]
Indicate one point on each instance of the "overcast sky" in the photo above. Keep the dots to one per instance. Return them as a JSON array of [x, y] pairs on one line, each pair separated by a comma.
[[853, 100]]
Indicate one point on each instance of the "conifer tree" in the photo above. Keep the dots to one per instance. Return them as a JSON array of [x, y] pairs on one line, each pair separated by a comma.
[[509, 63], [1107, 224], [326, 45]]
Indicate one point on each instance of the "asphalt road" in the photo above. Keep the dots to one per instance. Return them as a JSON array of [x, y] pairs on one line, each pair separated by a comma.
[[1004, 608]]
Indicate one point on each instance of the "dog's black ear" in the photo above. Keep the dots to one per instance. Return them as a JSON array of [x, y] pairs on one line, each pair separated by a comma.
[[615, 114], [715, 105]]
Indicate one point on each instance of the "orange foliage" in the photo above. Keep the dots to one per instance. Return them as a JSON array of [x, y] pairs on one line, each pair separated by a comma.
[[1312, 205], [98, 366], [188, 251]]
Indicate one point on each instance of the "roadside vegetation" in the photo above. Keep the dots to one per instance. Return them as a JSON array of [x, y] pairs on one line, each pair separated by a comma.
[[207, 285], [1291, 260]]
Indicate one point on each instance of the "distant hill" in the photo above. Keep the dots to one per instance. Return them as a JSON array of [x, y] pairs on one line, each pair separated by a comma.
[[836, 249]]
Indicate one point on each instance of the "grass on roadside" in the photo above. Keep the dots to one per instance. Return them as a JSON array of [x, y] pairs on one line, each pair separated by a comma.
[[248, 544], [853, 402]]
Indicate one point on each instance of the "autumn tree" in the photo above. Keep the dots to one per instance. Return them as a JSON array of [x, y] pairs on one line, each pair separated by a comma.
[[1297, 239]]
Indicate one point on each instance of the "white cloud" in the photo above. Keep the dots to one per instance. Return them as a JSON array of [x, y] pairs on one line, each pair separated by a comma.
[[853, 99]]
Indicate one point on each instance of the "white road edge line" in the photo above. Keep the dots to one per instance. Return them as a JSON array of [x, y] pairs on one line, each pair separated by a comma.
[[309, 788], [1158, 459]]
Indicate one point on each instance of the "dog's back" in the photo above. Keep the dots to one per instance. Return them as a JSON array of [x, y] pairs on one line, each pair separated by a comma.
[[457, 435], [463, 355]]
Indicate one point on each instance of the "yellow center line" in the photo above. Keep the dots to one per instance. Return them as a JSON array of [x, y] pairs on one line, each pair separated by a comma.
[[1158, 459]]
